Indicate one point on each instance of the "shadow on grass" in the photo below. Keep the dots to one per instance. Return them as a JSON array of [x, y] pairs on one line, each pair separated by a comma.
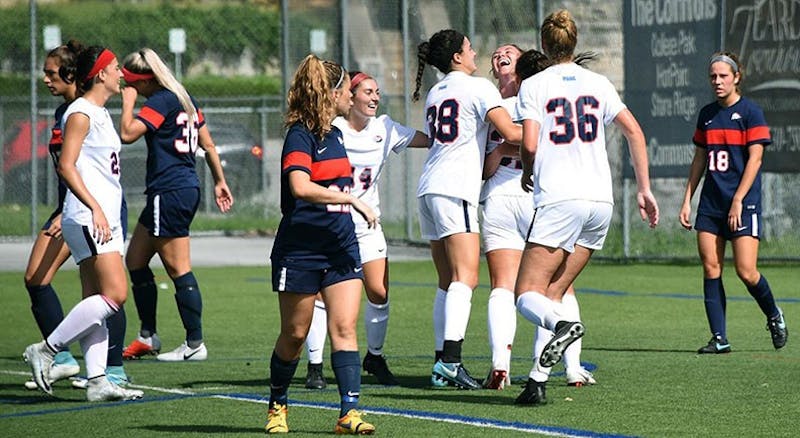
[[197, 429]]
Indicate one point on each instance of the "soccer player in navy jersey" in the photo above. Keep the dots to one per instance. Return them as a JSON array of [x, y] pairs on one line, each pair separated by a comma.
[[730, 138], [173, 127], [315, 248]]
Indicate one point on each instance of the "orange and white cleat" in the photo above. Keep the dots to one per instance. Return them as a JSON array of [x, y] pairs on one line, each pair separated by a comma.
[[142, 347]]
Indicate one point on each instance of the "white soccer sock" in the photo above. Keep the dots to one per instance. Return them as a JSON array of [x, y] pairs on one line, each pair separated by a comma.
[[376, 322], [456, 310], [538, 309], [438, 318], [315, 341], [538, 372], [94, 345], [90, 313], [502, 321], [572, 355]]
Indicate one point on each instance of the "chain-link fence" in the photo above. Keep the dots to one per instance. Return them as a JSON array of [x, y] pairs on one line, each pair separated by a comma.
[[239, 57]]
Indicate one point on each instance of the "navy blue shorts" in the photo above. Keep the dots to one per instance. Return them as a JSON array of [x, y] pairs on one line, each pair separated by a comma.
[[718, 226], [286, 279], [170, 214]]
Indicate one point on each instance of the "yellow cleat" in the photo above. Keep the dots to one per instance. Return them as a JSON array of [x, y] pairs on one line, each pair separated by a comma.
[[352, 424], [276, 420]]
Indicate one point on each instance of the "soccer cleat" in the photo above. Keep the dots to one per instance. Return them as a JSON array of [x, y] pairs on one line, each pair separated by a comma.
[[533, 394], [565, 334], [276, 419], [496, 379], [314, 377], [436, 381], [64, 367], [455, 374], [376, 365], [777, 328], [579, 376], [79, 382], [717, 345], [353, 424], [142, 347], [101, 389], [40, 358], [184, 353]]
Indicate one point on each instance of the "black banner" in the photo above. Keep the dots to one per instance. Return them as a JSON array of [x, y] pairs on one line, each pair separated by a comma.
[[667, 48], [766, 36]]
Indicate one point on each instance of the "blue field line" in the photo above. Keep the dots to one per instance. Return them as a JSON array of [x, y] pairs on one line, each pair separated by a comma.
[[404, 413], [444, 418]]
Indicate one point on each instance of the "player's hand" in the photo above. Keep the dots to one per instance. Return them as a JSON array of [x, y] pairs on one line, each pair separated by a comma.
[[54, 230], [129, 94], [366, 212], [685, 216], [223, 197], [735, 215], [648, 207], [101, 231], [527, 181]]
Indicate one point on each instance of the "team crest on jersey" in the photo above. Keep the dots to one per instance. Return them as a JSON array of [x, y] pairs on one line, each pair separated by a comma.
[[378, 138], [735, 116]]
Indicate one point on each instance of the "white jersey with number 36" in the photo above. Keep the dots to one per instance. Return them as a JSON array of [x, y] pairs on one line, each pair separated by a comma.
[[455, 112], [572, 105]]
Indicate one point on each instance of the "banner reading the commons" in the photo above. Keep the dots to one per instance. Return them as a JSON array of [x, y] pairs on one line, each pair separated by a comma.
[[667, 47]]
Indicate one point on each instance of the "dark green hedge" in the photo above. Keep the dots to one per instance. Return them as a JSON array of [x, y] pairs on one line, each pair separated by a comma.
[[221, 30]]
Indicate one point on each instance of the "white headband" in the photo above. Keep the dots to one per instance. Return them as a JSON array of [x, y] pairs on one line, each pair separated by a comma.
[[341, 78], [727, 60]]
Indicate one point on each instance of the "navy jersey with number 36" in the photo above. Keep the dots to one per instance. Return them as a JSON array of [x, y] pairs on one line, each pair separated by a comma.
[[171, 143]]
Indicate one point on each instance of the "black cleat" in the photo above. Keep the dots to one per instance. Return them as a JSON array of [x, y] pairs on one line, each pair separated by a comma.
[[533, 394], [717, 345], [565, 334], [376, 365], [777, 328], [314, 377]]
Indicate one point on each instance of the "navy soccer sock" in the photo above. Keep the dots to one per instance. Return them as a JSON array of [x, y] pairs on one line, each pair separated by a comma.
[[280, 376], [763, 295], [452, 351], [190, 306], [46, 308], [714, 298], [347, 369], [116, 337], [145, 295]]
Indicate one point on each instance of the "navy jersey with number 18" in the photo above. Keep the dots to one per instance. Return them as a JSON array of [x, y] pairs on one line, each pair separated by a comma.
[[726, 134], [315, 236]]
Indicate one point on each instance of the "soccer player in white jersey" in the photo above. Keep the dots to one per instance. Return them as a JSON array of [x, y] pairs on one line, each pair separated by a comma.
[[507, 212], [91, 227], [564, 110], [369, 140], [458, 110]]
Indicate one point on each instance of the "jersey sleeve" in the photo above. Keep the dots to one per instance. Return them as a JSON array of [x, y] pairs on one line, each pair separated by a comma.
[[487, 97], [757, 129], [153, 112], [296, 153], [613, 102], [398, 136], [526, 108]]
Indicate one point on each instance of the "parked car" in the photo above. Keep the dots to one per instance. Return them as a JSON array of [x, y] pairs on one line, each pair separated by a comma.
[[239, 152]]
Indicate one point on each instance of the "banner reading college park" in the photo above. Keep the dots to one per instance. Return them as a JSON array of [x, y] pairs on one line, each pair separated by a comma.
[[667, 47]]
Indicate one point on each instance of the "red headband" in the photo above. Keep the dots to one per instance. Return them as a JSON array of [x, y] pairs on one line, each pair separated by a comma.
[[105, 58], [357, 80], [133, 77]]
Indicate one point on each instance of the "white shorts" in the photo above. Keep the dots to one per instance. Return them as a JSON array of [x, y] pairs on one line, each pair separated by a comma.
[[82, 245], [371, 243], [441, 216], [569, 223], [506, 221]]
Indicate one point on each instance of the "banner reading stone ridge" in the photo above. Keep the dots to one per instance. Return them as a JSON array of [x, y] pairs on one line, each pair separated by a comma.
[[667, 47]]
